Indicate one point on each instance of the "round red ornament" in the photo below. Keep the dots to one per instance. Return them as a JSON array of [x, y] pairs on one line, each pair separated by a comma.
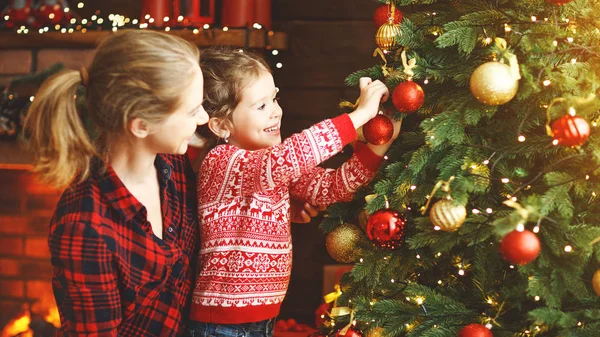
[[408, 97], [559, 2], [385, 228], [378, 130], [382, 15], [351, 332], [520, 247], [570, 130], [475, 330]]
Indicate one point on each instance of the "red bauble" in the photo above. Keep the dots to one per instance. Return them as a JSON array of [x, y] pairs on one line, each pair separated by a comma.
[[382, 15], [570, 130], [378, 130], [385, 228], [408, 97], [475, 330], [352, 332], [559, 2], [520, 247]]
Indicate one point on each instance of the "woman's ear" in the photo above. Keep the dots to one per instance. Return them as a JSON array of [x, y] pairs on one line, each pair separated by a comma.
[[220, 127], [139, 128]]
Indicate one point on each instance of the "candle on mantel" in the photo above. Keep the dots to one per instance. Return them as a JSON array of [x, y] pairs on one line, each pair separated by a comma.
[[263, 13], [238, 13], [157, 10], [194, 12]]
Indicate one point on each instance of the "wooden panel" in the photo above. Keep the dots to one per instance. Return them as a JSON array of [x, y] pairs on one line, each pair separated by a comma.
[[324, 9], [323, 54]]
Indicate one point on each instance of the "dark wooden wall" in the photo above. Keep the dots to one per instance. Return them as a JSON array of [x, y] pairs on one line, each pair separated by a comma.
[[328, 39]]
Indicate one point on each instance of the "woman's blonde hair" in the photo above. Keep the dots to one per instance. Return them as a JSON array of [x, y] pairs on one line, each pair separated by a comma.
[[227, 71], [134, 74]]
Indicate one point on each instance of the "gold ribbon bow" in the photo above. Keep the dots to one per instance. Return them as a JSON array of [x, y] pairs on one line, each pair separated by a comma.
[[444, 185], [524, 213], [512, 58], [408, 65], [333, 296]]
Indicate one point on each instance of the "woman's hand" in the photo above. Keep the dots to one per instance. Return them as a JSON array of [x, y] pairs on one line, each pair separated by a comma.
[[303, 212]]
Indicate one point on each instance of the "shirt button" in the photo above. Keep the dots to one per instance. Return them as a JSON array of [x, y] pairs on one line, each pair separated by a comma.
[[170, 229], [166, 171]]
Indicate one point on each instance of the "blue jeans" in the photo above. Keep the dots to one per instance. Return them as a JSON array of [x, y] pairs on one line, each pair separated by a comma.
[[255, 329]]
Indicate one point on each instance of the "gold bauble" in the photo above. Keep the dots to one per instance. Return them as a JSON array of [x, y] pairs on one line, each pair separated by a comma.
[[493, 83], [448, 215], [386, 36], [596, 282], [376, 332], [341, 243]]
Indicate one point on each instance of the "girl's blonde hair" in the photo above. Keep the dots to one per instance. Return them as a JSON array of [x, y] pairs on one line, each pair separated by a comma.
[[134, 74], [227, 72]]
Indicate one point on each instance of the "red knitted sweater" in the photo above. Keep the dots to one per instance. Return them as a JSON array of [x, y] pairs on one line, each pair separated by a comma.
[[244, 198]]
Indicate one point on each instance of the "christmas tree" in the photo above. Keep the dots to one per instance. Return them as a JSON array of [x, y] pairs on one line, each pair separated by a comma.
[[484, 219]]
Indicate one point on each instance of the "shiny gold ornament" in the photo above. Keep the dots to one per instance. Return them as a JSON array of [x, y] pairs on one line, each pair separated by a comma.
[[494, 83], [596, 282], [448, 215], [341, 243], [376, 332], [386, 36]]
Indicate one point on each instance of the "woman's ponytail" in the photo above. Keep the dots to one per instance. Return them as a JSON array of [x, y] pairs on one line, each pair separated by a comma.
[[57, 137]]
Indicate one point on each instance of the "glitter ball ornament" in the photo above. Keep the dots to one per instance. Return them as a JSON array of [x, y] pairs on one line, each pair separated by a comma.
[[351, 332], [378, 130], [434, 31], [447, 215], [385, 228], [341, 243], [570, 130], [493, 83], [383, 13], [408, 97], [596, 282], [520, 247], [475, 330]]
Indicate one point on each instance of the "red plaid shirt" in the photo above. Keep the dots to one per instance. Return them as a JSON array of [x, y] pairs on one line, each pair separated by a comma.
[[112, 275]]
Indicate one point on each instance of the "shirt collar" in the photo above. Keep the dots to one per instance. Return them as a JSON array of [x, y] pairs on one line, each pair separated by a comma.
[[119, 197]]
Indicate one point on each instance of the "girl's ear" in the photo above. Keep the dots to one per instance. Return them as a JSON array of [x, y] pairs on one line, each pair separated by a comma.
[[220, 127]]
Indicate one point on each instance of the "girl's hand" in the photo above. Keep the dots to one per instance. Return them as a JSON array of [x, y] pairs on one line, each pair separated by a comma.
[[372, 94]]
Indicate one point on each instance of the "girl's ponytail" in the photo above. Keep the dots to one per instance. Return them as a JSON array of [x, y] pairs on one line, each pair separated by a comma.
[[58, 139]]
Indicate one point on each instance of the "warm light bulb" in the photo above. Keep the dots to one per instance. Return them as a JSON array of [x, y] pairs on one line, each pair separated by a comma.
[[521, 139], [536, 229], [489, 210], [206, 26], [533, 18], [225, 29], [505, 180], [520, 227], [476, 211], [279, 65], [546, 83], [568, 248], [275, 52], [80, 5], [537, 298], [413, 187], [555, 142]]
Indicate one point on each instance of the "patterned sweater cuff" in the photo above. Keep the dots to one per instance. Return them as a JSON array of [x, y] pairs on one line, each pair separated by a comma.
[[366, 157], [344, 125]]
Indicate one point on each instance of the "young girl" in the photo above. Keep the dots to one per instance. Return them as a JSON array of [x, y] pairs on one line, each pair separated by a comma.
[[125, 229], [245, 186]]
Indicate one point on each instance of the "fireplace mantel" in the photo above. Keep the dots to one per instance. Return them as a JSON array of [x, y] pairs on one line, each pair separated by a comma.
[[250, 38]]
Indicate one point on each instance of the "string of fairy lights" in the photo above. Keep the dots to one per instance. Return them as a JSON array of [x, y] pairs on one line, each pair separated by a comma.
[[114, 22]]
